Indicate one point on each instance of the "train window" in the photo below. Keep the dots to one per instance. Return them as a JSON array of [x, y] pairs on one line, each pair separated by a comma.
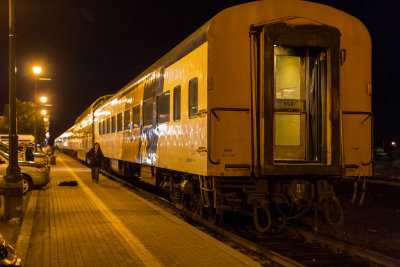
[[127, 119], [113, 124], [136, 116], [288, 74], [104, 127], [119, 122], [163, 107], [193, 98], [109, 125], [177, 103], [100, 127], [148, 112]]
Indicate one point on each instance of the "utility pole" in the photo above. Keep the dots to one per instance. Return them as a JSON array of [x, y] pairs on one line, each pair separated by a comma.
[[13, 186]]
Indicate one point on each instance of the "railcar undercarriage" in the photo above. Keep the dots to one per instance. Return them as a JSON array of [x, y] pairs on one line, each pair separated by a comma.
[[265, 200]]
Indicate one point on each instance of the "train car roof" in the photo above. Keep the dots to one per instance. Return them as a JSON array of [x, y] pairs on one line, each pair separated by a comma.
[[93, 106]]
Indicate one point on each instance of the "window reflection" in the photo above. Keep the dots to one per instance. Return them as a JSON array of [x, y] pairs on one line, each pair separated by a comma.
[[287, 81]]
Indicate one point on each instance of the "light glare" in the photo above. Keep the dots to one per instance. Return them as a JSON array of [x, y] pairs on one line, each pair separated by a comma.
[[37, 69]]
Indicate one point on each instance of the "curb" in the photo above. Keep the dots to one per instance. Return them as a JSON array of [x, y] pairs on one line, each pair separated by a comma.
[[26, 228]]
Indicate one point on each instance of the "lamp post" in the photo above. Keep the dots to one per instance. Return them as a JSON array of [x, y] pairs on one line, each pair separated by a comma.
[[46, 119], [37, 70], [12, 180]]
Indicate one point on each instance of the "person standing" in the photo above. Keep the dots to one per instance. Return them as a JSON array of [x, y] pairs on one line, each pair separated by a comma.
[[28, 153], [96, 161]]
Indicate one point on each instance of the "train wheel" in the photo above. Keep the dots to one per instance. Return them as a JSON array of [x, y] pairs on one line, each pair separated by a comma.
[[332, 211], [191, 203]]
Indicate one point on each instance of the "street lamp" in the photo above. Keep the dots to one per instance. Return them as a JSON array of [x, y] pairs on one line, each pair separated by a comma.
[[43, 112], [43, 99], [37, 70]]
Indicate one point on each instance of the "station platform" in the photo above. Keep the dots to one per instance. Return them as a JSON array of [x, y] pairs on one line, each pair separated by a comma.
[[105, 224]]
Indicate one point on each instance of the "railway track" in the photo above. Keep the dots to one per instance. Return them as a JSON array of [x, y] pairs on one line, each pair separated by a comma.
[[294, 246]]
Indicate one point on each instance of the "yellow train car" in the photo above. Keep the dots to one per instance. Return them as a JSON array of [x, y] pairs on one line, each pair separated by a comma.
[[78, 139], [257, 108]]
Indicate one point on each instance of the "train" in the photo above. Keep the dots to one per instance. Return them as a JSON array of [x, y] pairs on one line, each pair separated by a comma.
[[256, 112]]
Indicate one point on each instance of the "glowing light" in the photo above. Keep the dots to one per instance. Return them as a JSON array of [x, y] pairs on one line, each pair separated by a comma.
[[46, 119], [37, 69], [68, 134], [43, 112], [43, 99]]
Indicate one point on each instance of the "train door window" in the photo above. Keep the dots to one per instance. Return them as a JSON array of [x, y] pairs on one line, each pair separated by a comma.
[[99, 125], [163, 107], [119, 122], [148, 112], [193, 98], [109, 125], [136, 116], [113, 124], [177, 103], [127, 120], [104, 127]]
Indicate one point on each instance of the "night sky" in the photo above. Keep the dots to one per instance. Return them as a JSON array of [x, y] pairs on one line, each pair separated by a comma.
[[94, 47]]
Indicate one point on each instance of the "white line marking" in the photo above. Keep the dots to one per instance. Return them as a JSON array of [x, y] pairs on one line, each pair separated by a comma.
[[130, 239]]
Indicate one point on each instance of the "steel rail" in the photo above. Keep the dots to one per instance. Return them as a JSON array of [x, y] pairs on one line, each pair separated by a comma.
[[372, 256]]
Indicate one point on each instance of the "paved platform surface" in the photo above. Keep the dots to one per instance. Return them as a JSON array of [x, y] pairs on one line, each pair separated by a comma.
[[107, 225]]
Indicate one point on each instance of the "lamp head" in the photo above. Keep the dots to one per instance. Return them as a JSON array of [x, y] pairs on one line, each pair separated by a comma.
[[37, 69]]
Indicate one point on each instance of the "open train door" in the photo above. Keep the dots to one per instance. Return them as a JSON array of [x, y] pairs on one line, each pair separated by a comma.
[[299, 99]]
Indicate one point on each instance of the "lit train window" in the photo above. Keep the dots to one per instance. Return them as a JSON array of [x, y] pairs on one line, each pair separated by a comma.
[[136, 116], [109, 125], [113, 124], [119, 122], [177, 103], [193, 98], [127, 120], [163, 107], [148, 112]]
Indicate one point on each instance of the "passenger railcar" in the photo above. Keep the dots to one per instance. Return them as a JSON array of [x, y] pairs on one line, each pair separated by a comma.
[[256, 109], [78, 139]]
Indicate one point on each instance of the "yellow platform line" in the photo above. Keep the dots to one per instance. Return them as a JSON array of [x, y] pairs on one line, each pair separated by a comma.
[[145, 256]]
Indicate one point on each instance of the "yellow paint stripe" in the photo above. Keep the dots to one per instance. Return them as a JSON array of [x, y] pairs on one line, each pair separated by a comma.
[[130, 239]]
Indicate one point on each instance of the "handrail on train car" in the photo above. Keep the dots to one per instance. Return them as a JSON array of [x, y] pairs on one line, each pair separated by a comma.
[[209, 127]]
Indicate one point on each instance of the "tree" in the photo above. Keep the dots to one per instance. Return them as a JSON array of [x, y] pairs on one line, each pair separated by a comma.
[[25, 120]]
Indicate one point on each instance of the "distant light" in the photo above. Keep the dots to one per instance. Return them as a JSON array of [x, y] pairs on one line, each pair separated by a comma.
[[43, 99], [44, 112], [47, 135], [37, 69], [46, 119], [394, 143]]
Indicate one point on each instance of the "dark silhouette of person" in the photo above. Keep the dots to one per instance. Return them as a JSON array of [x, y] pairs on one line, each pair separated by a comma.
[[28, 153], [96, 161]]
